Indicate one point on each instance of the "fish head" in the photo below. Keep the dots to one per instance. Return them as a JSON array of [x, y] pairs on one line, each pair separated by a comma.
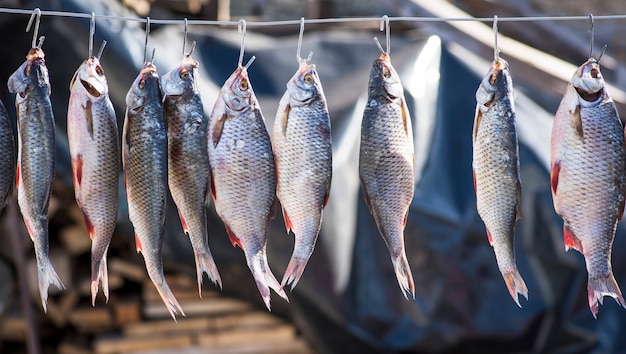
[[305, 84], [90, 76], [589, 83], [32, 73], [181, 79], [384, 80], [237, 91], [497, 83], [145, 87]]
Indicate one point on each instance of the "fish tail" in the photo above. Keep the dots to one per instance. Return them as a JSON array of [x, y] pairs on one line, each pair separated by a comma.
[[515, 284], [294, 271], [597, 288], [47, 275], [206, 264], [168, 297], [99, 274], [404, 275], [264, 278]]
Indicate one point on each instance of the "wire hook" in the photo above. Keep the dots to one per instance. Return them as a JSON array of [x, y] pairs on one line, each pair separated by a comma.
[[145, 48], [591, 35], [36, 14], [496, 51], [185, 38], [92, 31], [384, 21], [104, 44], [242, 29]]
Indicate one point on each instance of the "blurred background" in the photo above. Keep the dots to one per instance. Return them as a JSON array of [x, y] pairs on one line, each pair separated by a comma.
[[348, 299]]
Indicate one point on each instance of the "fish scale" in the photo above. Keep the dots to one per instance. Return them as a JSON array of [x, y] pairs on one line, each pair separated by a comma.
[[588, 165], [302, 148], [496, 170], [95, 150], [7, 158]]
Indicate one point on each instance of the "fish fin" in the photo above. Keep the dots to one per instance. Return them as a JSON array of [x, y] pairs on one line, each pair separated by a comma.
[[578, 123], [474, 178], [263, 277], [73, 81], [516, 285], [138, 244], [18, 174], [218, 128], [47, 275], [206, 264], [477, 120], [212, 184], [403, 274], [172, 305], [294, 271], [99, 274], [366, 197], [406, 217], [405, 118], [554, 176], [570, 240], [597, 288], [285, 119], [233, 238], [88, 224], [288, 224], [88, 117], [77, 169], [183, 223], [489, 237]]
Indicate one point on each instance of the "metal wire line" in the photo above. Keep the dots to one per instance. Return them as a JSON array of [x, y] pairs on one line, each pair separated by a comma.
[[311, 21]]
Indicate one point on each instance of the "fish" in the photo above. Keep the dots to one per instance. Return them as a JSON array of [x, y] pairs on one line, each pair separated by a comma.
[[587, 176], [303, 154], [95, 151], [144, 160], [188, 161], [7, 158], [386, 163], [495, 168], [243, 176], [36, 158]]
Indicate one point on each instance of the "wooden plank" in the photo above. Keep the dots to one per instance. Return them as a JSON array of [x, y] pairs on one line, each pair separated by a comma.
[[58, 311], [72, 348], [111, 345], [295, 346], [91, 319], [128, 270], [75, 239], [197, 307], [127, 311], [158, 328], [247, 336], [13, 327], [245, 319]]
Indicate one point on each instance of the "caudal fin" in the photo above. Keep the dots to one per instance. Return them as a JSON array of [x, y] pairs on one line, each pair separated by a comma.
[[597, 288], [47, 275], [264, 278], [516, 285], [168, 298], [206, 264], [99, 274], [294, 271], [404, 275]]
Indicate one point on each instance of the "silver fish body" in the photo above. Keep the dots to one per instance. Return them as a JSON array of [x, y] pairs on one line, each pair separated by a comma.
[[243, 177], [588, 179], [188, 160], [496, 170], [7, 158], [386, 163], [144, 157], [95, 150], [303, 154], [36, 159]]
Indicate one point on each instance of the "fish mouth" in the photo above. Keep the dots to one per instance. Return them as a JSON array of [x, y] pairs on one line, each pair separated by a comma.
[[91, 89], [589, 96]]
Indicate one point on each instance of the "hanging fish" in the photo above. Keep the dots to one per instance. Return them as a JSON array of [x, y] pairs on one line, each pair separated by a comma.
[[7, 158], [587, 174], [386, 166], [496, 170], [303, 154], [243, 177], [188, 170], [144, 157], [95, 150], [36, 158]]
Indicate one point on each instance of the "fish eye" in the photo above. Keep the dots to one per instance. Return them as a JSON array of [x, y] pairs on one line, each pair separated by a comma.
[[595, 73], [142, 83], [243, 85], [493, 79], [99, 70], [308, 78], [386, 72], [184, 74]]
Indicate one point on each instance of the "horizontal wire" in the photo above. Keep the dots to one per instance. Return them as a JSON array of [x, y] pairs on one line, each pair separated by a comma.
[[312, 21]]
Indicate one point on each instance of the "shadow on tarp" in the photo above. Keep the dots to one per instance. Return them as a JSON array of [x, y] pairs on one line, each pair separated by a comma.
[[348, 299]]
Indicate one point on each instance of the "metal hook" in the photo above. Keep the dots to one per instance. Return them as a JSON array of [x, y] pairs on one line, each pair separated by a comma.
[[496, 52], [384, 25], [185, 39], [591, 35], [300, 43], [602, 53], [145, 48], [36, 13], [104, 43], [249, 62], [193, 47], [92, 31], [242, 29]]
